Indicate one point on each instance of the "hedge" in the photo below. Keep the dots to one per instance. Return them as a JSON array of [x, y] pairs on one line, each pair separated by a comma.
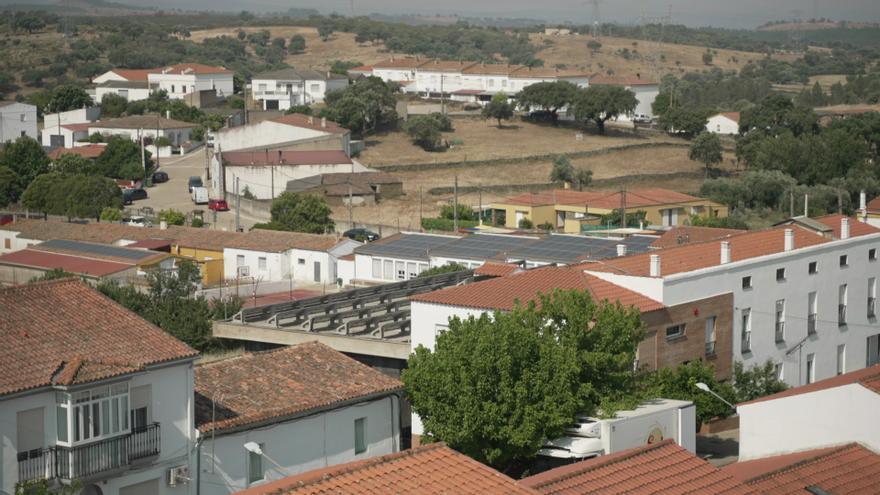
[[446, 224]]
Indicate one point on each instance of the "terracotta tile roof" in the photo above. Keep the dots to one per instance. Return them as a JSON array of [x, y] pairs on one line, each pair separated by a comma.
[[873, 205], [401, 63], [47, 326], [87, 151], [848, 470], [192, 69], [602, 79], [868, 377], [83, 127], [653, 469], [151, 244], [101, 252], [361, 68], [690, 257], [134, 74], [856, 228], [285, 158], [602, 199], [308, 122], [545, 73], [734, 116], [503, 293], [273, 241], [491, 269], [432, 469], [281, 383], [445, 66], [687, 234], [492, 69], [141, 122], [77, 265]]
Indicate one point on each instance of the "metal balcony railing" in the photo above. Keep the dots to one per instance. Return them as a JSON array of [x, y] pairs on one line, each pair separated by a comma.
[[746, 341], [780, 331], [811, 323], [86, 461], [841, 314]]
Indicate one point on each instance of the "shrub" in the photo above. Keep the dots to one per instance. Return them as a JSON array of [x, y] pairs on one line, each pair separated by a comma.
[[525, 223], [439, 270], [445, 224]]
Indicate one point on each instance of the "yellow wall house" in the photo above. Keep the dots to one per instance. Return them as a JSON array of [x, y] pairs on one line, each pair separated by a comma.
[[578, 211], [203, 246]]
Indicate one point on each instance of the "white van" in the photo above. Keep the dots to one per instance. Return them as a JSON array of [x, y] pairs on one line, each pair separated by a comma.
[[200, 195]]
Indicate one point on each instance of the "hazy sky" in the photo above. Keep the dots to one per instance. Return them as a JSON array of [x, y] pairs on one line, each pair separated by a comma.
[[725, 13]]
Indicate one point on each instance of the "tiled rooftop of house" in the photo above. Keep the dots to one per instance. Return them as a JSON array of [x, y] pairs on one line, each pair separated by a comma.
[[141, 122], [282, 383], [103, 252], [734, 116], [63, 332], [192, 68], [432, 469], [445, 65], [76, 265], [845, 470], [661, 468], [687, 234], [134, 74], [867, 377], [491, 269], [546, 72], [290, 158], [309, 122], [503, 293], [87, 151], [272, 241], [401, 63]]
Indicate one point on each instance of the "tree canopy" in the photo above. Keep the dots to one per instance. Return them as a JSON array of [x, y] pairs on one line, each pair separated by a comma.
[[300, 213], [10, 189], [706, 149], [498, 108], [363, 107], [424, 131], [121, 159], [68, 97], [601, 103], [26, 158], [80, 196], [548, 96]]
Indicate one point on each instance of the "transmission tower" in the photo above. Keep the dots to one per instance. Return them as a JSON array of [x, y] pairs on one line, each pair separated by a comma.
[[595, 28]]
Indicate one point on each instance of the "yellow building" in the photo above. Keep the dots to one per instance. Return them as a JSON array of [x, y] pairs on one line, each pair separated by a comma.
[[203, 246], [578, 211]]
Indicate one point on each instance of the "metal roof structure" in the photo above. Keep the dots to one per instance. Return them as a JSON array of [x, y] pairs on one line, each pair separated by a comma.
[[102, 250], [408, 246], [568, 249], [481, 247]]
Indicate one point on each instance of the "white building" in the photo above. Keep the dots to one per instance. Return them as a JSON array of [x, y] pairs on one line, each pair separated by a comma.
[[17, 120], [282, 89], [398, 69], [148, 126], [526, 76], [830, 412], [803, 300], [288, 132], [272, 256], [91, 392], [130, 90], [723, 123], [266, 173], [646, 91], [264, 416], [131, 75], [183, 79], [71, 125]]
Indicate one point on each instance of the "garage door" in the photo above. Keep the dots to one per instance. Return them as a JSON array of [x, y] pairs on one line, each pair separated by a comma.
[[271, 104], [146, 488]]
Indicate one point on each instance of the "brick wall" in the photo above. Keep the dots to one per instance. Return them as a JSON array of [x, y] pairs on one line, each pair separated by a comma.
[[657, 351]]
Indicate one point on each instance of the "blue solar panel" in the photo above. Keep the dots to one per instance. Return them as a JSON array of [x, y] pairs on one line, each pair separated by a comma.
[[97, 249]]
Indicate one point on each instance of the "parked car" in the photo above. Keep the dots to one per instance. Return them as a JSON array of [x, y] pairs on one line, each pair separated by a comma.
[[200, 195], [131, 195], [194, 181], [641, 118], [361, 235], [137, 221], [159, 177], [218, 205], [209, 139]]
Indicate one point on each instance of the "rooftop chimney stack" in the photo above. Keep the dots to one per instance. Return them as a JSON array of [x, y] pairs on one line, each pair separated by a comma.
[[725, 252], [621, 249], [844, 228], [323, 121], [655, 265], [163, 225], [863, 207], [789, 239]]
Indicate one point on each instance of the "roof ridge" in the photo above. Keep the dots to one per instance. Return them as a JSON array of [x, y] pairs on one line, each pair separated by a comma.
[[37, 284], [253, 354], [803, 462]]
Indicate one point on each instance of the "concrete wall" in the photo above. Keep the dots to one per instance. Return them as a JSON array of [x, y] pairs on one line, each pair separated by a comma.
[[260, 179], [322, 440], [11, 241], [78, 116], [719, 124], [177, 136], [833, 416], [17, 120], [130, 94], [266, 134], [364, 268], [178, 85]]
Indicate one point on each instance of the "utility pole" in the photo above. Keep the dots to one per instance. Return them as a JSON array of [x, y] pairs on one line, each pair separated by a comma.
[[455, 205], [350, 214], [143, 154], [420, 208], [237, 207], [480, 218], [272, 181], [791, 204], [623, 207]]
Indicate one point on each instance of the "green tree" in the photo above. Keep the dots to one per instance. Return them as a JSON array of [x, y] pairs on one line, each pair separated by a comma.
[[498, 108], [548, 96], [706, 149], [325, 30], [301, 213], [113, 105], [172, 217], [297, 44], [758, 381], [682, 120], [594, 46], [88, 195], [465, 212], [582, 178], [680, 383], [46, 194], [363, 107], [121, 159], [67, 97], [708, 57], [72, 163], [424, 131], [439, 270], [600, 103], [562, 170], [111, 214], [26, 158], [10, 189]]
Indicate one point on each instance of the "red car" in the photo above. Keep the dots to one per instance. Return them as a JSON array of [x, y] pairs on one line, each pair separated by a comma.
[[218, 205]]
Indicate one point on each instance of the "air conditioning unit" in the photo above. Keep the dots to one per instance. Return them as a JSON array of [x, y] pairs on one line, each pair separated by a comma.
[[179, 474], [244, 271]]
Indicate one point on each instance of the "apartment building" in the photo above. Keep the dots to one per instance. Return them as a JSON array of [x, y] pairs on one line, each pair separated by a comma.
[[803, 299], [17, 120], [282, 89], [182, 79], [90, 392]]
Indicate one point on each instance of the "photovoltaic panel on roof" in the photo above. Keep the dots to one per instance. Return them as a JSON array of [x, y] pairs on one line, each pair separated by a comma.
[[483, 246], [406, 246], [568, 249], [96, 249]]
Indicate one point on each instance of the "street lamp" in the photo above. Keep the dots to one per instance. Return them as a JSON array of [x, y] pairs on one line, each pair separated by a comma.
[[254, 448], [705, 388]]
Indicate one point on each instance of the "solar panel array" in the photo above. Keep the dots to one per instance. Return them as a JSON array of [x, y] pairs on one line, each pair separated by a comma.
[[407, 246], [96, 249], [569, 249], [483, 246]]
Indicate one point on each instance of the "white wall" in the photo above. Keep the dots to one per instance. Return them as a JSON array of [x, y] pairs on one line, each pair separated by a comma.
[[266, 134], [719, 124], [300, 445], [177, 136], [130, 94], [183, 84], [276, 89], [16, 120], [259, 178], [364, 268], [277, 264], [833, 416], [395, 74], [16, 242], [77, 116]]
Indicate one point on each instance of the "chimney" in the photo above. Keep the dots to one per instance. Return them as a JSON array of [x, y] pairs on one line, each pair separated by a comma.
[[655, 265], [323, 121], [168, 114], [621, 249], [163, 225], [789, 239], [280, 157], [806, 205], [863, 204], [725, 252], [844, 228]]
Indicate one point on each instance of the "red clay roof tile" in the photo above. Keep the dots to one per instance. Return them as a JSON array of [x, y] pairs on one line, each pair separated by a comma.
[[77, 265], [291, 158], [687, 234], [491, 269]]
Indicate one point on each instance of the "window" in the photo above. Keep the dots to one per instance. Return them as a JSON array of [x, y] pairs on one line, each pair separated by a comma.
[[814, 268], [388, 270], [23, 117], [172, 88], [812, 318], [95, 413], [841, 359], [841, 304], [139, 418], [377, 269], [811, 368], [239, 260], [747, 282], [7, 243], [261, 87], [746, 326], [872, 254], [844, 260], [710, 335], [314, 88], [300, 261], [675, 331], [360, 436], [779, 371], [440, 328], [400, 267], [780, 274], [123, 93], [255, 466], [411, 270], [780, 320], [261, 263], [61, 423], [872, 297]]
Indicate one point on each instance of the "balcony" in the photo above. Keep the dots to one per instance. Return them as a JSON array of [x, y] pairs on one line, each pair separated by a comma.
[[780, 331], [89, 461], [872, 307], [811, 323], [841, 314], [710, 348], [746, 341]]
